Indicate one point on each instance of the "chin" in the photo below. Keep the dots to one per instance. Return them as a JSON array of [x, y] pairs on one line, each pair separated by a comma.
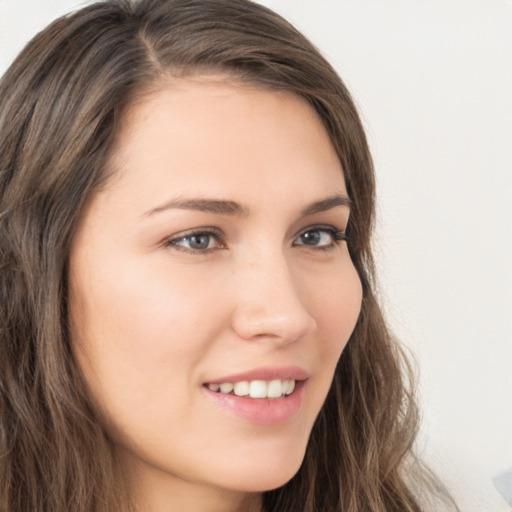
[[271, 473]]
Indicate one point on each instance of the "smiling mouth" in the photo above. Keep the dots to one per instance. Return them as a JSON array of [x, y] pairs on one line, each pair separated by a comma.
[[272, 389]]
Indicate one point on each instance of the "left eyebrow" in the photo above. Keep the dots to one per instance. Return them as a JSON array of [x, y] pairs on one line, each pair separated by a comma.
[[327, 204]]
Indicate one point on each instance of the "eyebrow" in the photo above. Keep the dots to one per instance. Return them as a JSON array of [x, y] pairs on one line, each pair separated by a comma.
[[327, 204], [221, 207], [232, 208]]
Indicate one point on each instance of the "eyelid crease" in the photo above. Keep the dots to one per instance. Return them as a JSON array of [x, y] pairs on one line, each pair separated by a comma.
[[321, 226]]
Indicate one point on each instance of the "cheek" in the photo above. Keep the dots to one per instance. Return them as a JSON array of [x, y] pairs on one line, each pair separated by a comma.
[[336, 309], [139, 340], [137, 332], [335, 303]]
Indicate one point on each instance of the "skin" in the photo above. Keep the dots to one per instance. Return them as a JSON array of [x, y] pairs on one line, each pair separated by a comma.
[[155, 317]]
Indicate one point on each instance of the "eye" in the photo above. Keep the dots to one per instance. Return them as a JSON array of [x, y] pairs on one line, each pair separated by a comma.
[[320, 237], [196, 241]]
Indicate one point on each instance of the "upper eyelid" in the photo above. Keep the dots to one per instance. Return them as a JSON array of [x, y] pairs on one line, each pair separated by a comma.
[[327, 227], [206, 230], [320, 227]]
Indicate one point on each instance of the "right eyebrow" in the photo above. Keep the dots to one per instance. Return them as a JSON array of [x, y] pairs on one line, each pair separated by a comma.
[[219, 206]]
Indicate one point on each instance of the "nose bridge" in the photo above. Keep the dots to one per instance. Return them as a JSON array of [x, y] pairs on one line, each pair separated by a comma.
[[269, 302]]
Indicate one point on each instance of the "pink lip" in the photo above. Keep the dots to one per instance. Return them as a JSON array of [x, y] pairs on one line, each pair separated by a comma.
[[262, 411], [265, 373]]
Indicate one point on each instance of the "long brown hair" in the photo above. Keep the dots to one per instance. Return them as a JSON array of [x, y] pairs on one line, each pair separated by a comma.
[[60, 106]]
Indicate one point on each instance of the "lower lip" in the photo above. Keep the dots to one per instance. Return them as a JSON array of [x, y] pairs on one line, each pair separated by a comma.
[[261, 411]]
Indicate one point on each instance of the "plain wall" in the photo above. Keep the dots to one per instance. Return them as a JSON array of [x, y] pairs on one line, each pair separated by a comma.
[[433, 81]]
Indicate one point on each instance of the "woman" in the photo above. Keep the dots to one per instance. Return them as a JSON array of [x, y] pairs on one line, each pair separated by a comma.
[[187, 198]]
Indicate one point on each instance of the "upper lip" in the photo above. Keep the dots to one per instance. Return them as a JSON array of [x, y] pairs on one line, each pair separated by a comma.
[[267, 373]]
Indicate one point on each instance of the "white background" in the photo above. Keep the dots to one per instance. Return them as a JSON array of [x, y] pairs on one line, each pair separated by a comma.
[[433, 80]]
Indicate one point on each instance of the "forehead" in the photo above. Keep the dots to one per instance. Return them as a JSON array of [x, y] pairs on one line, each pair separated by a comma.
[[209, 132]]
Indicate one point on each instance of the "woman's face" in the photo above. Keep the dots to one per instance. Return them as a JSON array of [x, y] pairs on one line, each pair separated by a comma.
[[214, 260]]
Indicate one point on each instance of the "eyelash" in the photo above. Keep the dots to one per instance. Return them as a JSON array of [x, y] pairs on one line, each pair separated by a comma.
[[210, 232], [337, 236]]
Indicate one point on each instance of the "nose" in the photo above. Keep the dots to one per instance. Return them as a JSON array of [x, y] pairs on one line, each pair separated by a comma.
[[269, 303]]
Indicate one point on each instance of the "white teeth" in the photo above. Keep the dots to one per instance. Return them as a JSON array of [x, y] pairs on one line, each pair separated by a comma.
[[256, 388], [226, 387], [241, 388], [274, 389]]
